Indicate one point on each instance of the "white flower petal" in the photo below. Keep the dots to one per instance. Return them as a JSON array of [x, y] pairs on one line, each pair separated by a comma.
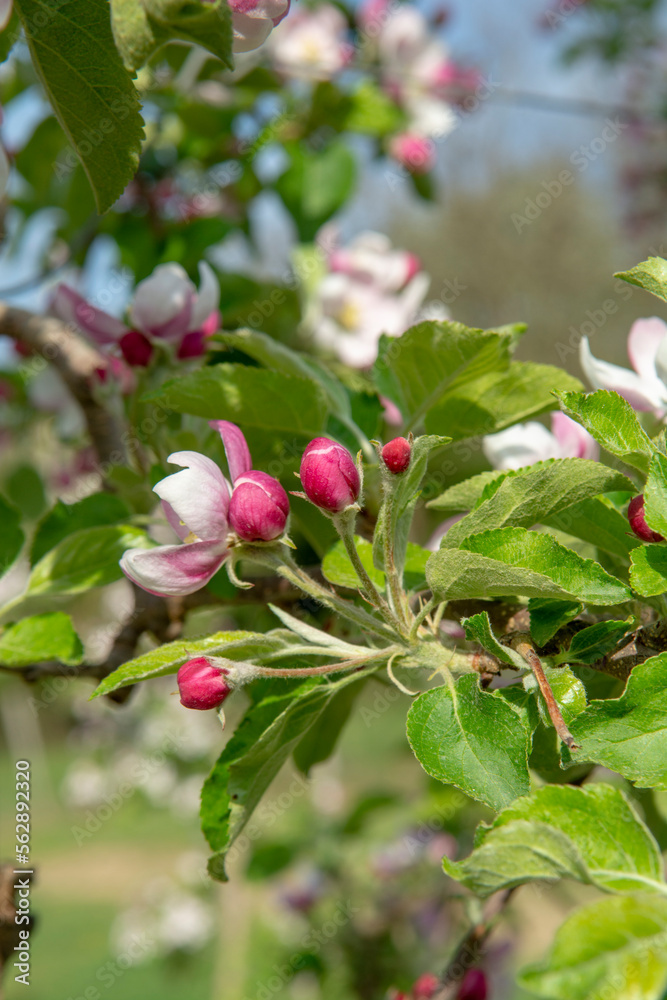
[[521, 445], [640, 393], [208, 296], [174, 570], [199, 495]]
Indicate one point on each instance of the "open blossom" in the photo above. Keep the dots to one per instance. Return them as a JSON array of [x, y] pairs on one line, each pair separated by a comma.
[[196, 503], [525, 444], [312, 44], [165, 306], [645, 388], [370, 289], [254, 20]]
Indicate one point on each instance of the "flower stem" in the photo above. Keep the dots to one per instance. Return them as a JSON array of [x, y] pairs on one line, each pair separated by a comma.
[[327, 668], [421, 615]]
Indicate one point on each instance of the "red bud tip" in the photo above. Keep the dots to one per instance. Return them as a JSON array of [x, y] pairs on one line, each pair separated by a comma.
[[201, 685], [258, 508], [425, 987], [136, 348], [637, 519], [396, 455], [329, 476]]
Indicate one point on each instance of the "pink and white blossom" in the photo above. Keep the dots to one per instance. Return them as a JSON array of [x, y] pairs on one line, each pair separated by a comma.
[[329, 477], [166, 306], [370, 289], [414, 152], [312, 44], [525, 444], [254, 20], [645, 388], [196, 503]]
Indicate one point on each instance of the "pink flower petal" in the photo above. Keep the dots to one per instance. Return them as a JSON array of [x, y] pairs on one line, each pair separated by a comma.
[[236, 447], [72, 308], [174, 520], [644, 339], [174, 570], [574, 440], [198, 496]]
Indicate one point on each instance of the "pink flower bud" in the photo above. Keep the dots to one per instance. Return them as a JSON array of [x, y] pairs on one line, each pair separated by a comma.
[[638, 523], [201, 685], [193, 345], [414, 152], [258, 508], [137, 348], [473, 986], [329, 476], [396, 455], [425, 987]]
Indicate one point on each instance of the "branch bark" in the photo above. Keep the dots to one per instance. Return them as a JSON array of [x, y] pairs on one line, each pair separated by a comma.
[[75, 361]]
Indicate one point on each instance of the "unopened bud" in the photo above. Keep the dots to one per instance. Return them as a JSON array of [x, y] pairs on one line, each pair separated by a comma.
[[259, 507], [137, 348], [329, 476], [396, 455], [425, 987], [473, 986], [202, 685], [637, 519]]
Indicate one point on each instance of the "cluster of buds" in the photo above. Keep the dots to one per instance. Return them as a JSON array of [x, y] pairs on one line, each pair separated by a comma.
[[637, 519]]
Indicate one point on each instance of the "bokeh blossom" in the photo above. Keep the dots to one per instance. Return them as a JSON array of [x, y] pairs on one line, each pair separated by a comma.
[[645, 388], [311, 44], [525, 444]]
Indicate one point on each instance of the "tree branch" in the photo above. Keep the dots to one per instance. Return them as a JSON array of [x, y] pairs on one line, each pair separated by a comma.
[[471, 948], [76, 362]]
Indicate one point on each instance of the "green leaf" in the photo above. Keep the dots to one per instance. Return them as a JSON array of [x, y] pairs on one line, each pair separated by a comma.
[[498, 400], [85, 559], [11, 536], [629, 734], [466, 737], [526, 496], [91, 92], [508, 561], [249, 397], [648, 572], [320, 741], [568, 691], [595, 521], [613, 423], [464, 495], [140, 27], [523, 702], [592, 834], [40, 638], [316, 183], [655, 494], [596, 641], [265, 738], [372, 112], [548, 616], [91, 512], [613, 949], [166, 659], [431, 359], [478, 629], [397, 509], [25, 489], [651, 275]]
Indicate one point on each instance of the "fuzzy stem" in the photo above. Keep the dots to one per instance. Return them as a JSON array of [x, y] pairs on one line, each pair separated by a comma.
[[327, 668], [532, 659], [344, 524], [421, 615], [394, 579]]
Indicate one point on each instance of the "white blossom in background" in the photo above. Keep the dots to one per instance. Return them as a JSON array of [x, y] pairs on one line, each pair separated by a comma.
[[369, 289], [311, 44], [645, 388], [416, 70], [5, 13], [254, 20], [525, 444]]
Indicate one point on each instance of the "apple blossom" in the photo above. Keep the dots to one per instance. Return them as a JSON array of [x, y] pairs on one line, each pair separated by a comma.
[[396, 455], [329, 476], [473, 986], [311, 44], [201, 685], [258, 508], [254, 20], [5, 13], [645, 388], [425, 987], [370, 289], [165, 306], [637, 519], [524, 444], [196, 503]]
